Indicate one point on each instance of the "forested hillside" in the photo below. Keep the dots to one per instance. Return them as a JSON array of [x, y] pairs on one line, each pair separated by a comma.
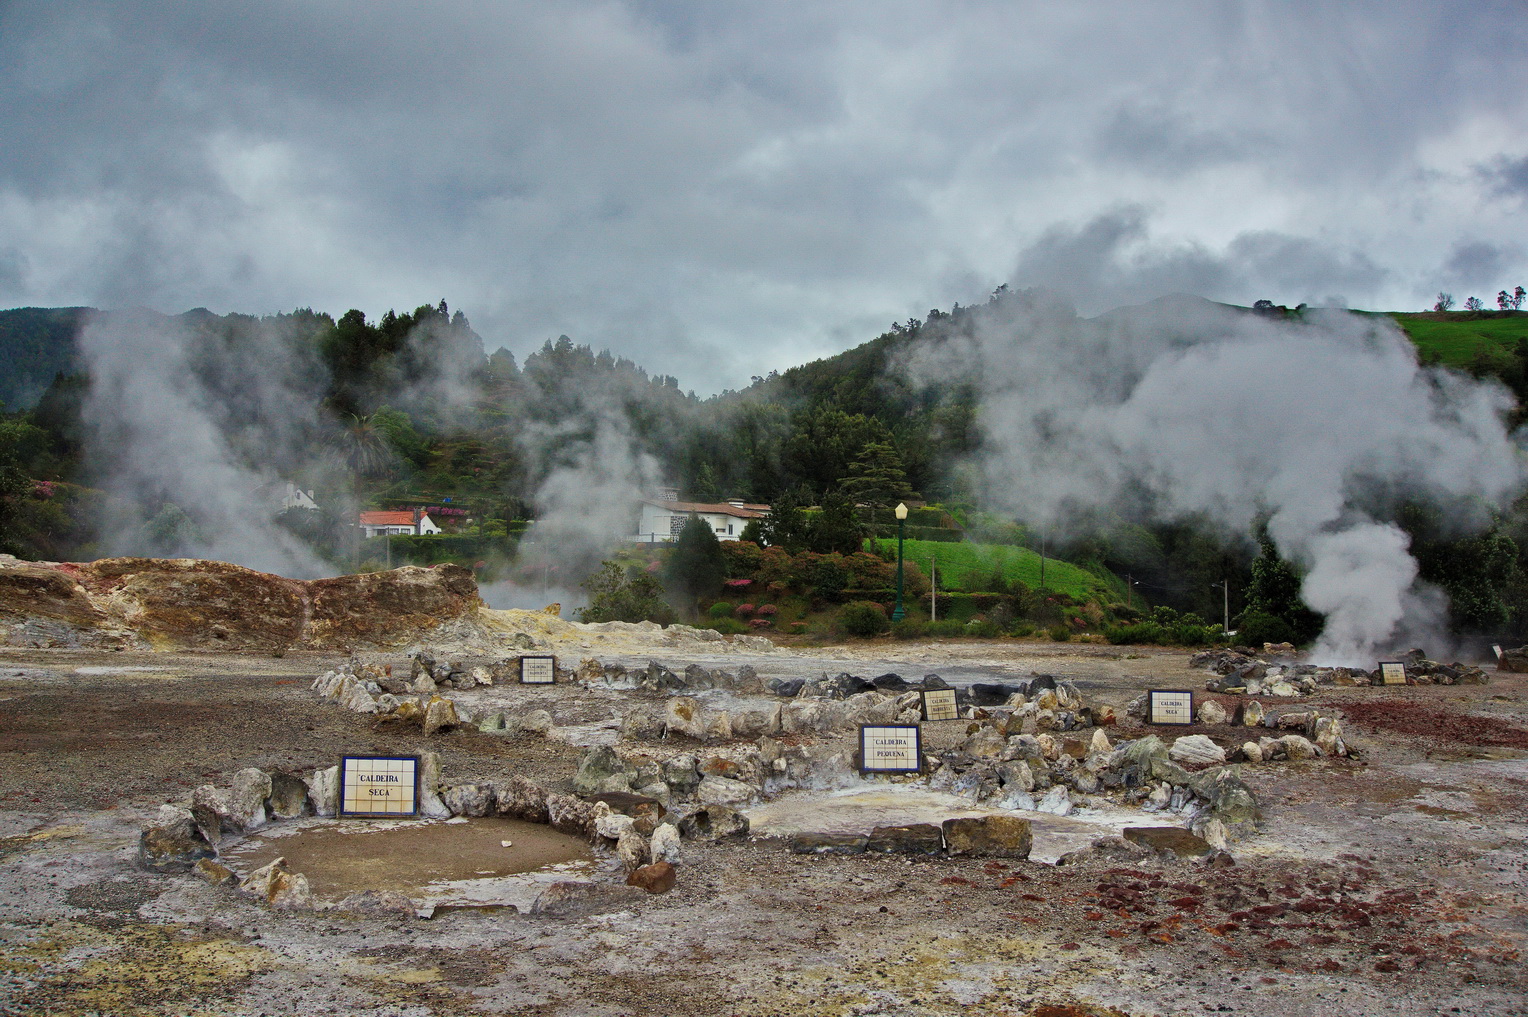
[[409, 410]]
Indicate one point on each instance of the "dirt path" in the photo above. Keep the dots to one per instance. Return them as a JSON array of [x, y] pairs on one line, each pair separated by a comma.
[[1390, 885]]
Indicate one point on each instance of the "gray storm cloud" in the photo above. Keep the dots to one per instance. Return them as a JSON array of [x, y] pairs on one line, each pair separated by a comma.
[[1184, 407]]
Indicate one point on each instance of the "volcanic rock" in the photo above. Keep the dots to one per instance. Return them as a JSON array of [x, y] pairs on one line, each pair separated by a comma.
[[1168, 840], [910, 839], [988, 836], [658, 877], [194, 604], [714, 822], [172, 843], [1196, 750]]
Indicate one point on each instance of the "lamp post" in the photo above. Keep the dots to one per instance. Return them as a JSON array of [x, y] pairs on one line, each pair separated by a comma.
[[1225, 591], [899, 613]]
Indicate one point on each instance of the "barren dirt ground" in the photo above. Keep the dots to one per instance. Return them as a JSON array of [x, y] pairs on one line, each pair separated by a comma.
[[1389, 885]]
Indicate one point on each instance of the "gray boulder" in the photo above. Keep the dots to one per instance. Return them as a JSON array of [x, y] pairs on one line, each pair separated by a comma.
[[714, 822], [988, 836], [289, 796], [172, 842], [246, 801], [1196, 750], [469, 799], [324, 791]]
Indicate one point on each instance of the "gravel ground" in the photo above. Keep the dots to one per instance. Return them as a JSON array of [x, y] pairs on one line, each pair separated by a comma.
[[1389, 885]]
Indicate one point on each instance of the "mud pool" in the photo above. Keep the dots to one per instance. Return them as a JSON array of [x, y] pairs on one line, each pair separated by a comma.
[[458, 862]]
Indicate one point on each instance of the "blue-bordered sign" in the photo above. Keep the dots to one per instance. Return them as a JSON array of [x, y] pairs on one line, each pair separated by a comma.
[[1170, 706], [890, 748], [940, 704], [379, 787]]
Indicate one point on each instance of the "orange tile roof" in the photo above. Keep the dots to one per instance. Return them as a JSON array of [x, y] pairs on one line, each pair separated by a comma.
[[387, 518]]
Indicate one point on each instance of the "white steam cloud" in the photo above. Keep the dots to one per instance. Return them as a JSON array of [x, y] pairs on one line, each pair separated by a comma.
[[594, 473], [179, 424], [1185, 407]]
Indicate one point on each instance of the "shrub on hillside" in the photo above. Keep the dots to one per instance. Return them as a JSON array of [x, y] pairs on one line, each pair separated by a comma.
[[1148, 632], [1182, 632], [909, 628], [1060, 633], [863, 618], [720, 609], [1258, 628], [726, 626], [946, 628]]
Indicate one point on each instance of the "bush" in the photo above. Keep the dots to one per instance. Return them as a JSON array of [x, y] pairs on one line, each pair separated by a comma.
[[759, 623], [863, 618], [720, 609], [726, 626], [1186, 633], [744, 610], [981, 628], [1258, 627], [1180, 633], [1021, 630], [1140, 632], [946, 628], [798, 627], [909, 628], [767, 611], [1060, 633]]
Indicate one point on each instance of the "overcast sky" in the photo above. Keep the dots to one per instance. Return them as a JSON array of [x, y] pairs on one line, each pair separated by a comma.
[[719, 189]]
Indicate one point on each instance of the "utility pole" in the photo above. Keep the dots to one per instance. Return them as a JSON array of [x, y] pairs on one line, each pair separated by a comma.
[[1042, 559], [1225, 590]]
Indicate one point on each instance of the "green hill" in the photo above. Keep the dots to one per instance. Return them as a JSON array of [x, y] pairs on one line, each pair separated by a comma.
[[957, 561], [1465, 339]]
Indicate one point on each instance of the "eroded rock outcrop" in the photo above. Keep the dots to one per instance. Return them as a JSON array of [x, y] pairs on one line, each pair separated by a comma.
[[186, 603]]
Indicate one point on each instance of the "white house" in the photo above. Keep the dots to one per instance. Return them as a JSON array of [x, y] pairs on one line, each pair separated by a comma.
[[412, 522], [296, 497], [661, 521]]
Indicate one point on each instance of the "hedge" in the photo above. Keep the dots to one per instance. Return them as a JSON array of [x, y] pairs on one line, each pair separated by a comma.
[[436, 548], [885, 532]]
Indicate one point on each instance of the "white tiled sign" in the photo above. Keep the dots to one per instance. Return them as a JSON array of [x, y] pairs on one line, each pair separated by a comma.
[[538, 670], [939, 704], [1170, 707], [1392, 672], [379, 786], [890, 748]]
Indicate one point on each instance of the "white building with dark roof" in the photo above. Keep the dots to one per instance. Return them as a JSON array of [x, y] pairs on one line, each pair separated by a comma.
[[661, 521]]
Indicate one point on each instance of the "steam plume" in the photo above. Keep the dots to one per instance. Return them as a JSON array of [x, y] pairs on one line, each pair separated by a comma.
[[1185, 407], [178, 420]]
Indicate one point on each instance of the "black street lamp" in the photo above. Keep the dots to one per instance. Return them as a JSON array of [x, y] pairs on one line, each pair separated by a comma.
[[900, 612]]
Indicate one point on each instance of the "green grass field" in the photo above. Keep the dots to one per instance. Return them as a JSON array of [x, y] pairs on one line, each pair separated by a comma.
[[1456, 338], [1017, 563]]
